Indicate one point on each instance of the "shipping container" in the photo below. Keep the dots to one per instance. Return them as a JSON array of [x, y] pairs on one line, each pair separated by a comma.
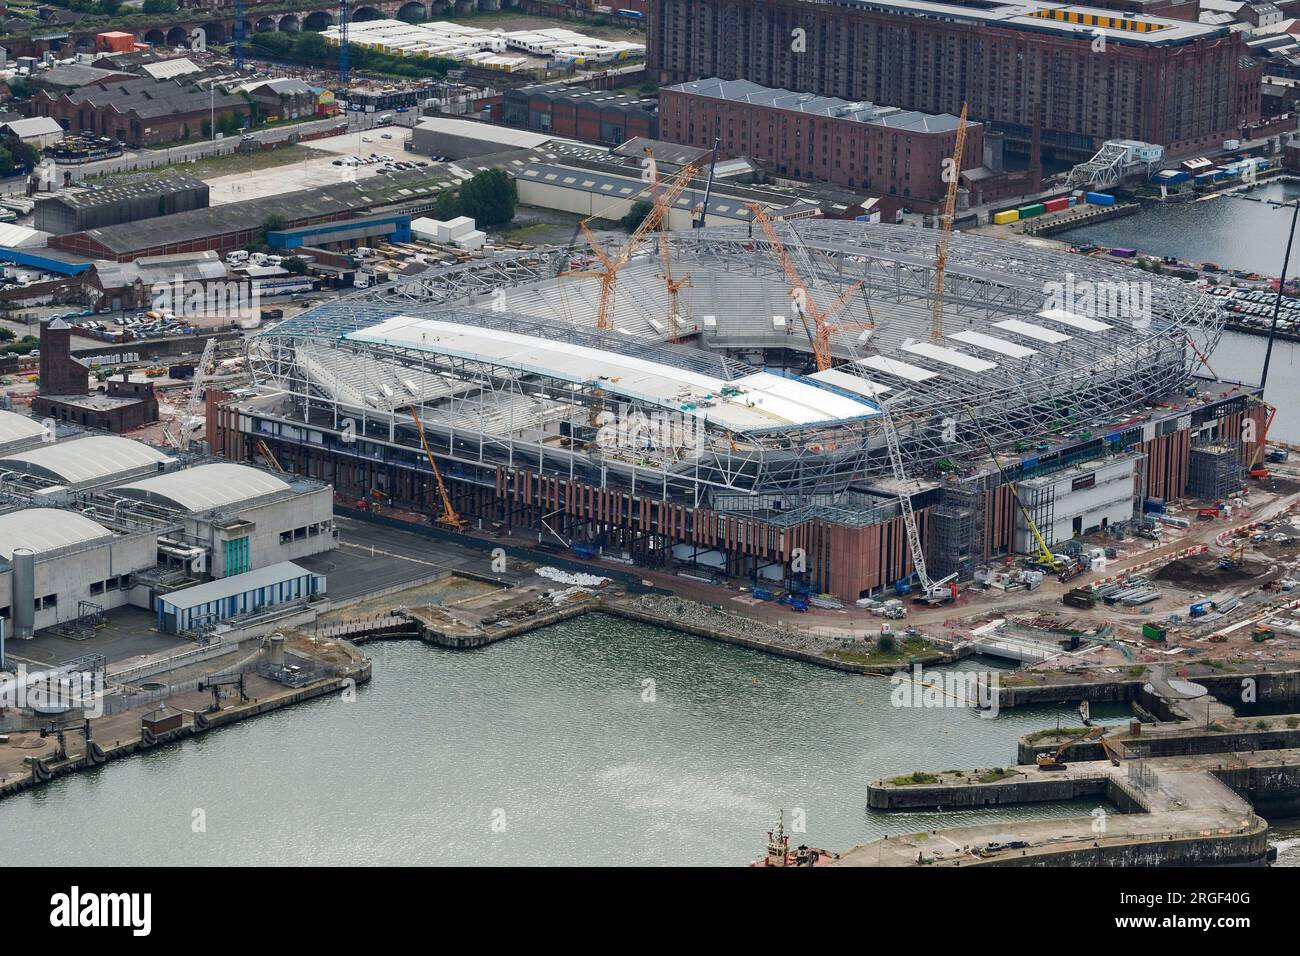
[[1100, 199], [1056, 205], [1123, 252], [1004, 217], [1154, 632], [1033, 209]]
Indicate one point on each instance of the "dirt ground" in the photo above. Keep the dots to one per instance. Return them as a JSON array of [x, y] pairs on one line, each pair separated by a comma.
[[447, 591]]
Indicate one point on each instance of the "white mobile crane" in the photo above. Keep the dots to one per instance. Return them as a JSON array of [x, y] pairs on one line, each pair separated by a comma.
[[932, 592]]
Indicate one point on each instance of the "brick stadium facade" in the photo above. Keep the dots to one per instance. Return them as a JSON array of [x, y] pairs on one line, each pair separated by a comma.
[[1179, 84]]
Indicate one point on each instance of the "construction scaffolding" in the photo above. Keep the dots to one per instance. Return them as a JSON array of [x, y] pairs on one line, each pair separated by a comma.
[[1214, 472]]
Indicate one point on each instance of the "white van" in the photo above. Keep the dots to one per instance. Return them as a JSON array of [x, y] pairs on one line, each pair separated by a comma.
[[237, 258]]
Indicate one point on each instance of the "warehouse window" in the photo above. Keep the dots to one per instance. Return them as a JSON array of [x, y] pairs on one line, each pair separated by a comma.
[[96, 587], [49, 601]]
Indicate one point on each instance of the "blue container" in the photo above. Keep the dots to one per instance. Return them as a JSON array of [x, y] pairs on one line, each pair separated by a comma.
[[1100, 199]]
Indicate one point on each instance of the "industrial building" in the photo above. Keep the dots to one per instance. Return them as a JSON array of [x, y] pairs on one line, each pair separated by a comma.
[[92, 522], [461, 138], [1183, 85], [55, 565], [241, 518], [141, 111], [592, 116], [18, 432], [883, 149], [230, 226], [128, 199], [207, 604], [127, 401], [723, 439]]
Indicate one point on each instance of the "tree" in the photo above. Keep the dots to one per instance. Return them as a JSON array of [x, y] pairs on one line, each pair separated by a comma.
[[447, 205], [7, 334], [6, 162], [636, 215], [296, 265], [159, 6], [109, 7], [489, 198]]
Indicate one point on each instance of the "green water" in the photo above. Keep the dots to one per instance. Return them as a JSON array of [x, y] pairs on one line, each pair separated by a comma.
[[548, 737]]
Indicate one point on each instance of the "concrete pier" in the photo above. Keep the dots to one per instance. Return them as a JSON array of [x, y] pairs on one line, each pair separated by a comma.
[[1178, 811]]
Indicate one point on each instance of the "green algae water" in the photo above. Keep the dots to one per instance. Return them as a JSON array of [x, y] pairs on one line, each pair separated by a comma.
[[592, 742]]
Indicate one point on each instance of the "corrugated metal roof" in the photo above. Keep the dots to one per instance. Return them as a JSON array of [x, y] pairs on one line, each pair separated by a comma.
[[46, 529], [206, 487], [15, 427], [233, 585], [86, 459]]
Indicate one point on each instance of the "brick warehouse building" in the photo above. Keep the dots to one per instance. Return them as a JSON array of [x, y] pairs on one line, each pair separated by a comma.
[[885, 150], [141, 112], [1183, 85]]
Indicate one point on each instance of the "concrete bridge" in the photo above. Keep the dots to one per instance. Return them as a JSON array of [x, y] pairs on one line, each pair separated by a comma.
[[218, 25]]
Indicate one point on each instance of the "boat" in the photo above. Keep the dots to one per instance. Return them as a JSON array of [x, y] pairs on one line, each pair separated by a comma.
[[1085, 714], [780, 854]]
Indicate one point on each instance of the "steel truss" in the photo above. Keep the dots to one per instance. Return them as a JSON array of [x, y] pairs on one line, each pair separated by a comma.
[[491, 415]]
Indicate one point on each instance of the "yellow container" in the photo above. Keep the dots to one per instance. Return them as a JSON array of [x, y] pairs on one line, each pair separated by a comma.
[[1002, 218]]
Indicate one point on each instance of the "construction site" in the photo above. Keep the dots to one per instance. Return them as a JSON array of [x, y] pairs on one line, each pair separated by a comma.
[[803, 407]]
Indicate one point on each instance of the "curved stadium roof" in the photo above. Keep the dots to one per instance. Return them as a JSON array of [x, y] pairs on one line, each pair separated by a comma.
[[205, 487], [15, 427], [85, 459], [46, 529]]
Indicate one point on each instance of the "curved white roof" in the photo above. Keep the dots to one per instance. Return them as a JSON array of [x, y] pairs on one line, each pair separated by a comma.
[[45, 529], [15, 427], [205, 487], [85, 459]]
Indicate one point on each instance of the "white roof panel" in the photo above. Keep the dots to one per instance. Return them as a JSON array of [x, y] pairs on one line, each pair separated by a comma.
[[947, 356], [86, 459], [1031, 331], [46, 529], [15, 428], [206, 486], [765, 400], [912, 373], [851, 383], [1074, 320], [993, 344]]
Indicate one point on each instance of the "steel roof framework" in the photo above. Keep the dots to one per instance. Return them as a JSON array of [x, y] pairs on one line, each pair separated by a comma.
[[496, 416]]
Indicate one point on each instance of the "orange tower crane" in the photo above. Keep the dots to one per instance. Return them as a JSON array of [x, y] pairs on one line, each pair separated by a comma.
[[674, 286], [612, 265], [820, 334], [945, 227]]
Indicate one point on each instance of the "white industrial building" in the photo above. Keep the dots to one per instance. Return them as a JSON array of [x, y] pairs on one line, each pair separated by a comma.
[[18, 432], [236, 518], [56, 562], [207, 604], [82, 463], [1079, 500]]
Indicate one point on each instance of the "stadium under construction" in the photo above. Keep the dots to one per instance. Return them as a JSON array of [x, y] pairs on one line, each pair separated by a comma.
[[755, 404]]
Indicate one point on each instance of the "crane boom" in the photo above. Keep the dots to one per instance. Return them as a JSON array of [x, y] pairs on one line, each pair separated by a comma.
[[945, 227], [914, 546], [196, 389], [449, 515], [674, 286], [820, 333], [1044, 552], [612, 265]]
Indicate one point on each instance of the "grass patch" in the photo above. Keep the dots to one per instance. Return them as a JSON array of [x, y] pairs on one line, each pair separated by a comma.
[[1053, 734], [913, 649], [996, 774], [914, 779]]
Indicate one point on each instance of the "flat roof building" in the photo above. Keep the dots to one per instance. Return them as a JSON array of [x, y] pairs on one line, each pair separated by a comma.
[[88, 462], [1179, 84], [884, 150], [244, 518], [204, 605], [127, 199]]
